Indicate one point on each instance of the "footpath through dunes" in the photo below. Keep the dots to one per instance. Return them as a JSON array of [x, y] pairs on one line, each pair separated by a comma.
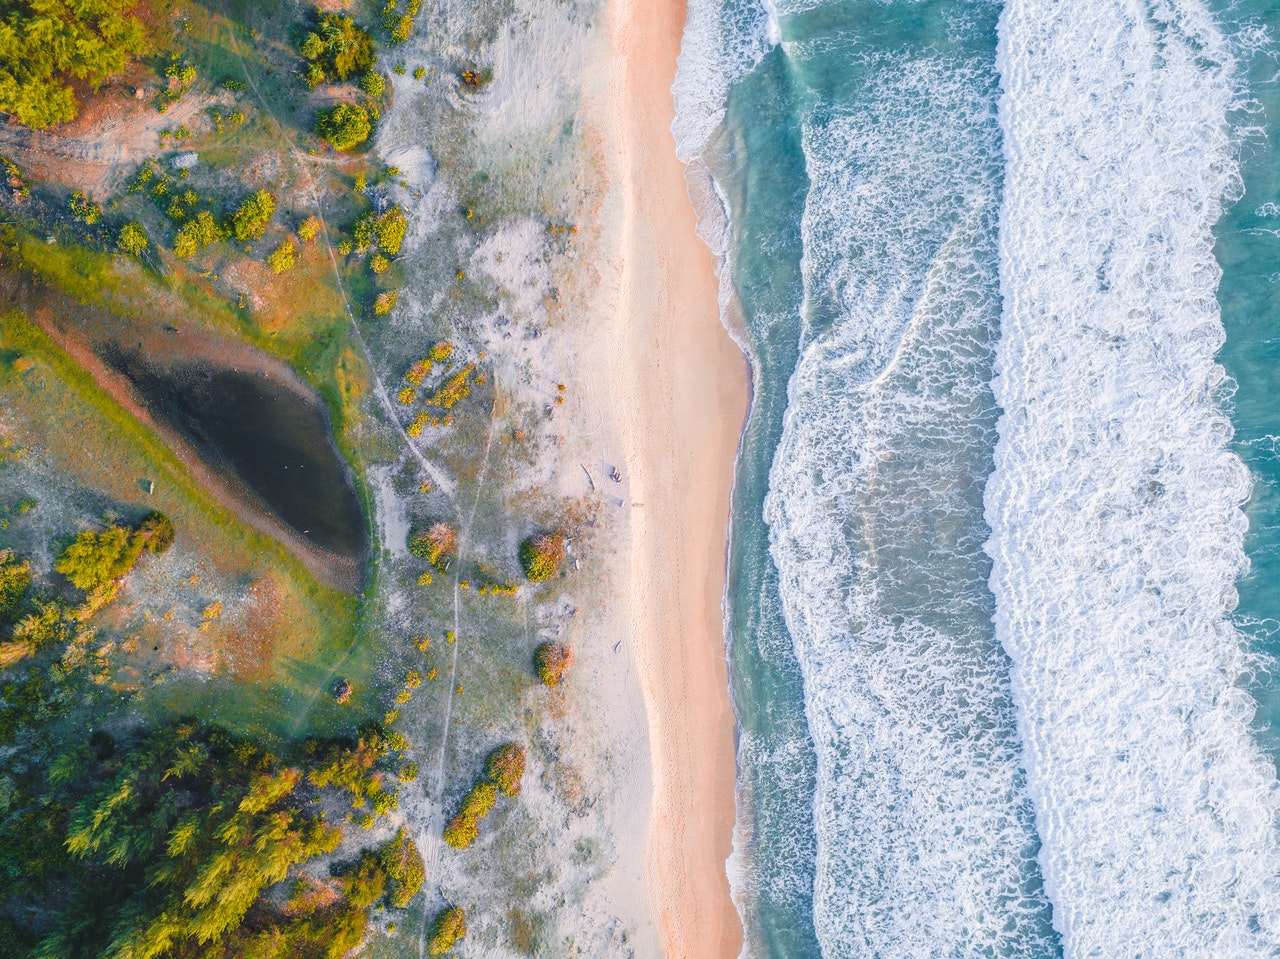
[[251, 431], [1115, 506]]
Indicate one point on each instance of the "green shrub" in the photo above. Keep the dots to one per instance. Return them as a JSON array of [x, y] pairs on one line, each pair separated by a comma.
[[436, 545], [344, 126], [282, 257], [157, 532], [384, 303], [15, 581], [505, 767], [479, 801], [198, 233], [541, 555], [448, 928], [401, 29], [133, 239], [379, 264], [404, 867], [310, 228], [96, 559], [460, 832], [250, 220], [339, 47], [389, 230], [373, 84], [552, 661]]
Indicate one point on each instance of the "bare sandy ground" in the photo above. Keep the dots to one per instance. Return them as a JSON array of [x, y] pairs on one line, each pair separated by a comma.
[[678, 401]]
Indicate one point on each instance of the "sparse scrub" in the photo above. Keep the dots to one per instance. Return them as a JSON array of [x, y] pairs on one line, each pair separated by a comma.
[[84, 209], [441, 352], [384, 303], [453, 390]]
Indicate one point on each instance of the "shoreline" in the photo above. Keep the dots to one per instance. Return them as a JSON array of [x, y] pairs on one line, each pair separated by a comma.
[[679, 403]]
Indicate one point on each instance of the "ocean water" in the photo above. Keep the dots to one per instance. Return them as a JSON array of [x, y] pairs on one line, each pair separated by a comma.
[[1004, 569]]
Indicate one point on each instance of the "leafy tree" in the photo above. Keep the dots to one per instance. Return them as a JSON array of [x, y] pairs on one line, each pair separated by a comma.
[[133, 239], [96, 559], [338, 47], [310, 228], [46, 45], [373, 84], [249, 221], [437, 544], [345, 126]]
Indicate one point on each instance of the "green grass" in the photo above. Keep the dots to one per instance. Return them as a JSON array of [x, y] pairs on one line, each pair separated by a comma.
[[90, 435]]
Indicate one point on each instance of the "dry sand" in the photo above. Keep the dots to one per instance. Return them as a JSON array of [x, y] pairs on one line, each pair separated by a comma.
[[678, 400]]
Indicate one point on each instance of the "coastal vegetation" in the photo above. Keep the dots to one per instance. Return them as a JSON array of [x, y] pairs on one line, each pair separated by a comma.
[[45, 48], [552, 662], [344, 127], [503, 769], [336, 48], [541, 556], [447, 929]]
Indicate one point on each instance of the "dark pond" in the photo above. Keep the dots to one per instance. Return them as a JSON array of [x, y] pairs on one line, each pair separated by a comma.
[[275, 441]]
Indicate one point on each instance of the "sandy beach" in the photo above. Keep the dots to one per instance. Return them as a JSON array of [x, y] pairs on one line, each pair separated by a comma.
[[678, 404]]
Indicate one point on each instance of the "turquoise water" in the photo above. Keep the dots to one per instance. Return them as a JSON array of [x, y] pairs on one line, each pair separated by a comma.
[[989, 521]]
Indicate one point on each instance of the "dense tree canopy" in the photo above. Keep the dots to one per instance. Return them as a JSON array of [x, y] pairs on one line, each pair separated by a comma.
[[338, 48], [46, 44]]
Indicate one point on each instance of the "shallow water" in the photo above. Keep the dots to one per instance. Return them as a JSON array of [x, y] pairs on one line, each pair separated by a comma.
[[990, 519], [278, 443]]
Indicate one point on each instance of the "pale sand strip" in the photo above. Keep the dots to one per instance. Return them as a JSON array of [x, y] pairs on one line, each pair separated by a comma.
[[679, 398]]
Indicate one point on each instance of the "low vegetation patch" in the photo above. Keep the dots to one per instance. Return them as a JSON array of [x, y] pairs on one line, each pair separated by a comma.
[[448, 928], [552, 662], [344, 126], [541, 556], [503, 769]]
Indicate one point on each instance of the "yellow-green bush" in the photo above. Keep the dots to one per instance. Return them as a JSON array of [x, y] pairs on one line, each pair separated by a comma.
[[552, 661], [541, 555], [448, 928]]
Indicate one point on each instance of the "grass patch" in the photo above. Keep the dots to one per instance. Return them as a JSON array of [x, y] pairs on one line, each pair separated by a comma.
[[92, 437]]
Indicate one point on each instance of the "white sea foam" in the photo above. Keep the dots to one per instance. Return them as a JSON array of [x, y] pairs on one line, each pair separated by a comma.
[[1115, 506], [723, 40], [925, 840]]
